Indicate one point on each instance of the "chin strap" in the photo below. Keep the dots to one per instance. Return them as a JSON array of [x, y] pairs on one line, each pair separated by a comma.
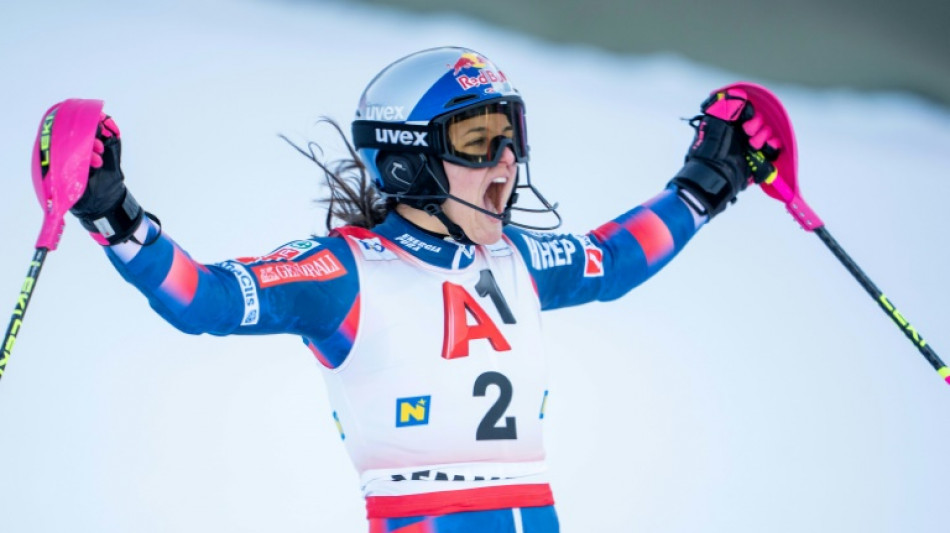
[[427, 202], [455, 231]]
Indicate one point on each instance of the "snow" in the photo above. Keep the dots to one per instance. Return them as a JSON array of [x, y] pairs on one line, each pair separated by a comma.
[[752, 385]]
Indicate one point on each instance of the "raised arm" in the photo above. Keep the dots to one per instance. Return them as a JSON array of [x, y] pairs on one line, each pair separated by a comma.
[[306, 287], [730, 149]]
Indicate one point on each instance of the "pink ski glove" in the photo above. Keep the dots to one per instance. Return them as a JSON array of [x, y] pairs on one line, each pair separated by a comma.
[[107, 128]]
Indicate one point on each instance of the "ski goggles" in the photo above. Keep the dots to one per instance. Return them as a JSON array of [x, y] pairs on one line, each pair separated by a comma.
[[473, 137]]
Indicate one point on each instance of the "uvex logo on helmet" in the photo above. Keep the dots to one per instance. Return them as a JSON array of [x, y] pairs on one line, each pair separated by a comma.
[[385, 112], [403, 137]]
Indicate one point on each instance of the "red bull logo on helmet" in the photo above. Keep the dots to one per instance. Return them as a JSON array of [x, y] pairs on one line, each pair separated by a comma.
[[486, 75], [469, 60]]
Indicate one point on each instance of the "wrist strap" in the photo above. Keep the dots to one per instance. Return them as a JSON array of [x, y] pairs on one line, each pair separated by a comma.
[[158, 231], [118, 224]]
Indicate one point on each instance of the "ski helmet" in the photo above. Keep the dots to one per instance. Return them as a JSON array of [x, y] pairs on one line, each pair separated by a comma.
[[402, 124]]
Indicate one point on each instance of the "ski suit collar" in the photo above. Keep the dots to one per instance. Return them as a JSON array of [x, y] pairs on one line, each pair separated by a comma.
[[433, 249]]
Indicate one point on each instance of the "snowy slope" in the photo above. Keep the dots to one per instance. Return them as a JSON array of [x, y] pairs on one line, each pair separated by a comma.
[[751, 386]]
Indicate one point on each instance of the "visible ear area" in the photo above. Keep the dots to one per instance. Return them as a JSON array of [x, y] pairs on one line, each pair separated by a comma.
[[398, 171]]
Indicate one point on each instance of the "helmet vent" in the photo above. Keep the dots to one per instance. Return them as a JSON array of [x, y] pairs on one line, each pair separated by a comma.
[[459, 99]]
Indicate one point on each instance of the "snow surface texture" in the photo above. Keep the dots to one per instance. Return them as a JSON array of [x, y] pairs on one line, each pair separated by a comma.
[[751, 386]]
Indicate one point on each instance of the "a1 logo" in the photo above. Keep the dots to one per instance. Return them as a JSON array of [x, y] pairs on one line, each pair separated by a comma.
[[459, 304]]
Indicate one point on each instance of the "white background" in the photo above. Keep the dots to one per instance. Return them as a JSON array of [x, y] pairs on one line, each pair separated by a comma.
[[750, 386]]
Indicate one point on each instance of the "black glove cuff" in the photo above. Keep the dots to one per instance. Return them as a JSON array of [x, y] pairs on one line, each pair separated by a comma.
[[705, 185], [119, 223]]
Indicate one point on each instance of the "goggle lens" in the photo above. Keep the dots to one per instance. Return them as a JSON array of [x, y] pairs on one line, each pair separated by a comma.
[[478, 137]]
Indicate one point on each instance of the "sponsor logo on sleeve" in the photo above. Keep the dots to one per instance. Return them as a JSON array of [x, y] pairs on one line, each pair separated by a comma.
[[593, 258], [322, 266], [412, 411], [248, 290], [551, 252], [286, 252]]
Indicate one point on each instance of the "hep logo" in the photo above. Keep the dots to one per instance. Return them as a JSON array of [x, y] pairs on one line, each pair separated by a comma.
[[468, 60]]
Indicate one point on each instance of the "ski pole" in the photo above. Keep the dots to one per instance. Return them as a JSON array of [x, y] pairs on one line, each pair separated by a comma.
[[784, 187], [60, 168], [885, 303], [19, 311]]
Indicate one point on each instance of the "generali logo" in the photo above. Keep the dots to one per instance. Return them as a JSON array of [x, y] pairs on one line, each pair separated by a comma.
[[323, 266]]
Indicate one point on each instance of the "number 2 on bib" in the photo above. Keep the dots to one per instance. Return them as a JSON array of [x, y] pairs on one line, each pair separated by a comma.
[[489, 429]]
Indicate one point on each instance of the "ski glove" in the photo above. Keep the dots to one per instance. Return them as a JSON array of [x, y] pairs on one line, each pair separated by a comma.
[[106, 208], [732, 147]]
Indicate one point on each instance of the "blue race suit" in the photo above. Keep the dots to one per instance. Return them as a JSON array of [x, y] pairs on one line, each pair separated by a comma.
[[431, 349]]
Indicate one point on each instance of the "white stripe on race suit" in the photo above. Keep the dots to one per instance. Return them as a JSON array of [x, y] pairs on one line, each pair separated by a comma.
[[127, 250], [519, 528]]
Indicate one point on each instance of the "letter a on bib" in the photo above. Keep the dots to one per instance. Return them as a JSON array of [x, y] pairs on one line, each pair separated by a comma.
[[458, 304]]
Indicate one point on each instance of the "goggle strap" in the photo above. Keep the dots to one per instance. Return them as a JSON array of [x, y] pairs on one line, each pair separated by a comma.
[[392, 136]]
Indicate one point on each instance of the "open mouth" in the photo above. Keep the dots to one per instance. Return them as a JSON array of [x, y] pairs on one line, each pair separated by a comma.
[[495, 197]]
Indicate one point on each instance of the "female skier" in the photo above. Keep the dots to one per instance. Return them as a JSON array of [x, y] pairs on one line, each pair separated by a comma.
[[423, 307]]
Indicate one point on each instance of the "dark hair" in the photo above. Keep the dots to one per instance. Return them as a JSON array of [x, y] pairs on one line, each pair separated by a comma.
[[354, 200]]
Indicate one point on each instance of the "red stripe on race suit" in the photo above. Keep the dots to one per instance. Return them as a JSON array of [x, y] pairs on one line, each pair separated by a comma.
[[456, 501]]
